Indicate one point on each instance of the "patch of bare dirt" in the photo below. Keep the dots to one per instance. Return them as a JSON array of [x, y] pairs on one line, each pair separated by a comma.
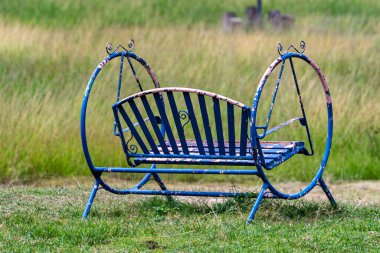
[[355, 192]]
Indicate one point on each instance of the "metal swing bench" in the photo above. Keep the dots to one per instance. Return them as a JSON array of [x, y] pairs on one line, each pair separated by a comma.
[[156, 119]]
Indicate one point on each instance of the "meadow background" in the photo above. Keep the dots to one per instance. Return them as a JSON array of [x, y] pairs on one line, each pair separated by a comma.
[[49, 49]]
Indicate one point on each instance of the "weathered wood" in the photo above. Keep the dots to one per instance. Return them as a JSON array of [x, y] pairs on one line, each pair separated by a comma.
[[226, 20], [231, 22], [287, 21], [274, 17], [280, 21], [252, 16]]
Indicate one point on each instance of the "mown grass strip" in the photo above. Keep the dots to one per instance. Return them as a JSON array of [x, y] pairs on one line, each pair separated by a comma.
[[48, 219]]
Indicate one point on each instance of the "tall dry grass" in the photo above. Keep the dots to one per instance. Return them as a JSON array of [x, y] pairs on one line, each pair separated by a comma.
[[43, 74]]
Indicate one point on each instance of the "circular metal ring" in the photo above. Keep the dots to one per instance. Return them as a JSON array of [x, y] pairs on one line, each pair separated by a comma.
[[326, 153]]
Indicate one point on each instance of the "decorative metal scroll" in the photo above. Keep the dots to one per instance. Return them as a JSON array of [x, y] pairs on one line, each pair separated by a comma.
[[184, 115], [302, 46], [110, 50], [132, 148]]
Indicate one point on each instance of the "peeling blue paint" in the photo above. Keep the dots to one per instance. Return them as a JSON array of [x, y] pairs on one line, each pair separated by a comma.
[[256, 152]]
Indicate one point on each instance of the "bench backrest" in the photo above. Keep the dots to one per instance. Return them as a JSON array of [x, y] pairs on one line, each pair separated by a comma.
[[173, 122]]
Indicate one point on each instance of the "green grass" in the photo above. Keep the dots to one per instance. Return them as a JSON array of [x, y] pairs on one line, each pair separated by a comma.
[[50, 13], [49, 50], [49, 219]]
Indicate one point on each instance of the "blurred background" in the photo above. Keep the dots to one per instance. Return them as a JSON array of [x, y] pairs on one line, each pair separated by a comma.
[[49, 48]]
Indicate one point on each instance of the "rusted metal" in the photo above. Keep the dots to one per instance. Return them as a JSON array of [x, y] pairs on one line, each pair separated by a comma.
[[161, 138]]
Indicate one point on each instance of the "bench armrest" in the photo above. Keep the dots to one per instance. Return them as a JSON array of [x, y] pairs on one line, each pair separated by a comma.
[[283, 124]]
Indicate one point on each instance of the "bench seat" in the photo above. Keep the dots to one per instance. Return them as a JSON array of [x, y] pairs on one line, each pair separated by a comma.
[[275, 152]]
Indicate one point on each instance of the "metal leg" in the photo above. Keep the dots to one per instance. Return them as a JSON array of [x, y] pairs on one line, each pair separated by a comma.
[[95, 188], [143, 181], [327, 191], [147, 178], [257, 203], [158, 179], [160, 182]]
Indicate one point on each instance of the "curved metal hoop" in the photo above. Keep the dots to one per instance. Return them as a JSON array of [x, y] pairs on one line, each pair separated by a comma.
[[86, 97], [326, 153]]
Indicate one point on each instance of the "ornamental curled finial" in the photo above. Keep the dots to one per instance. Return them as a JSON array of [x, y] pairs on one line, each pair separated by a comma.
[[302, 46], [110, 50], [131, 45]]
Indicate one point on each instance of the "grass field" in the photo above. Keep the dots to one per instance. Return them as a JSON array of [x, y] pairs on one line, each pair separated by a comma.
[[49, 50], [47, 219]]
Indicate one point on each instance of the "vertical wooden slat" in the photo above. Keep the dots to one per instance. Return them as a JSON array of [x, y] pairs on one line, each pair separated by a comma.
[[194, 123], [143, 126], [133, 130], [206, 124], [219, 126], [155, 126], [243, 131], [231, 129], [177, 121], [160, 105]]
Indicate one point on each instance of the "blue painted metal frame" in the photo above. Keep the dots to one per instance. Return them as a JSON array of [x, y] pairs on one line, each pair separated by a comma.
[[318, 177], [267, 190]]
